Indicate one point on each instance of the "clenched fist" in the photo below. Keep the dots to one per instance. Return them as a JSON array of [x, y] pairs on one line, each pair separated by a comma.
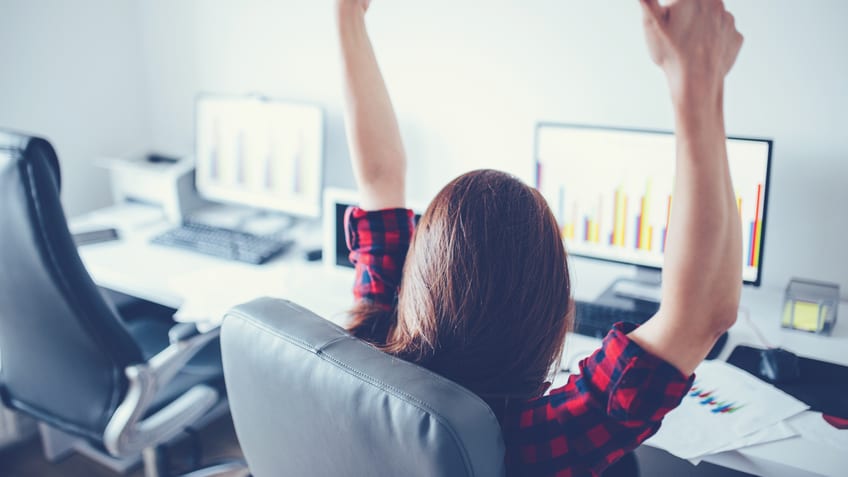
[[694, 41]]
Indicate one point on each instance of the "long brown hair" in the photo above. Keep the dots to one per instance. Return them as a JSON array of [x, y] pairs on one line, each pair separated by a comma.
[[485, 293]]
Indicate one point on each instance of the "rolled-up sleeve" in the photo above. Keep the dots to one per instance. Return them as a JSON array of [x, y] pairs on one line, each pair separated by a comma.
[[616, 402], [378, 242]]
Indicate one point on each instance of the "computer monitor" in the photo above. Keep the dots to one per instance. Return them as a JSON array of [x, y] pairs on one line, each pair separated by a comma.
[[260, 153], [611, 191]]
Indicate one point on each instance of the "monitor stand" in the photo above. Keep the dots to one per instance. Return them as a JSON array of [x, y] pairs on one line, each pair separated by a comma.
[[640, 293]]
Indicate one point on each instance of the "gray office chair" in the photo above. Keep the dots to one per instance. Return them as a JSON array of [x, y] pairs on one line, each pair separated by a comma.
[[66, 357], [307, 398]]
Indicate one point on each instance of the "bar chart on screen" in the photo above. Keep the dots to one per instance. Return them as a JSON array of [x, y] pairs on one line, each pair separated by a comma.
[[264, 153], [613, 193]]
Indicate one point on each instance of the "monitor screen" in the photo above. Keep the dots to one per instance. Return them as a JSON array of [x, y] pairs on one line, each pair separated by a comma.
[[611, 191], [260, 153]]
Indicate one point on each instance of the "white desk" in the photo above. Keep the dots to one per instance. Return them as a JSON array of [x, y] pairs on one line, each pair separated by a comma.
[[795, 457], [171, 277]]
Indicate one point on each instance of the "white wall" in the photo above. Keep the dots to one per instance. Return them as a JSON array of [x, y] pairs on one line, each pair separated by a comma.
[[470, 79], [70, 71]]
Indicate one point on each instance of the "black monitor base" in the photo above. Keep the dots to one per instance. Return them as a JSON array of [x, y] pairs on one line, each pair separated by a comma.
[[643, 300], [612, 296]]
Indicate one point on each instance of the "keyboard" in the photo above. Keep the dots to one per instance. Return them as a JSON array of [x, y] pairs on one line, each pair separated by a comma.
[[595, 320], [223, 243]]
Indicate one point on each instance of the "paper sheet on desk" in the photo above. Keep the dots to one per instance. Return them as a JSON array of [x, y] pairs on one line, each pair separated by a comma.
[[724, 405], [777, 432], [209, 294], [813, 427], [125, 217]]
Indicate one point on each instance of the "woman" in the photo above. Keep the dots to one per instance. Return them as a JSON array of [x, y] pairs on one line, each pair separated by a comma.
[[479, 292]]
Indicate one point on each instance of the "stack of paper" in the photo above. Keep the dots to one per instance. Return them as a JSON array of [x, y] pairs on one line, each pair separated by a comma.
[[814, 428], [726, 409]]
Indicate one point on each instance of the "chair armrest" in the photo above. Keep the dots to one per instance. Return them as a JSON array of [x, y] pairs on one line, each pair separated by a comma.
[[127, 433], [182, 332]]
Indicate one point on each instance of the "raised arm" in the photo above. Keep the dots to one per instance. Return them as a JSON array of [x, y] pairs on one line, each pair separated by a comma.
[[376, 149], [696, 43]]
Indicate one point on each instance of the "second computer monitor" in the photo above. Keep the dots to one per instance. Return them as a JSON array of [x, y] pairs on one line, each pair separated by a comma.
[[260, 153], [611, 191]]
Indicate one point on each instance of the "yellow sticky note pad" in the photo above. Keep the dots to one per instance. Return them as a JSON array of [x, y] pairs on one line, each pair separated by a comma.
[[806, 315]]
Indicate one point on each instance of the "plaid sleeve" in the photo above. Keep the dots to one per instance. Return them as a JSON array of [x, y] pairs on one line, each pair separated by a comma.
[[378, 241], [616, 402]]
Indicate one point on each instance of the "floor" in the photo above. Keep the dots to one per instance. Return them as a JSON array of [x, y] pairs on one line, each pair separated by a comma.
[[219, 441]]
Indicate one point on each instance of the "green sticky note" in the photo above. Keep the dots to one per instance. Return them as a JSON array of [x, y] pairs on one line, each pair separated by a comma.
[[806, 315]]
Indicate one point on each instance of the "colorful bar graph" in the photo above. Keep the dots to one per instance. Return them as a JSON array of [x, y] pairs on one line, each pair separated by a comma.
[[756, 231], [608, 221], [708, 399]]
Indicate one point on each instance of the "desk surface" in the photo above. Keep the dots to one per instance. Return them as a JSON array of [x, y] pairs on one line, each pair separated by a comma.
[[173, 278]]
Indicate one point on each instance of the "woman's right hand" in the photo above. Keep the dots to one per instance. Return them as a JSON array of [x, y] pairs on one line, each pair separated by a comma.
[[694, 41]]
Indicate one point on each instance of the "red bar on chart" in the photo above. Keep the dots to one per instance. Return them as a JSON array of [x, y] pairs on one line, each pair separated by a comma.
[[756, 226]]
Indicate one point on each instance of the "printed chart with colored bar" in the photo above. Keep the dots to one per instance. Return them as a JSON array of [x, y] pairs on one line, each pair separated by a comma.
[[612, 191], [724, 409], [712, 401]]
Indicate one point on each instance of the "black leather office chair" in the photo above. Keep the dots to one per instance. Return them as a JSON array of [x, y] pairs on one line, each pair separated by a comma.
[[66, 357]]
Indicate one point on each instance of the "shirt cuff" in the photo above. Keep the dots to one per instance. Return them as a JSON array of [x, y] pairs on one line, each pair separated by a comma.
[[641, 386], [387, 229]]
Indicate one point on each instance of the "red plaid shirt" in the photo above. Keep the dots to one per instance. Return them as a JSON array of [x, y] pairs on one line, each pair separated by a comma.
[[616, 401]]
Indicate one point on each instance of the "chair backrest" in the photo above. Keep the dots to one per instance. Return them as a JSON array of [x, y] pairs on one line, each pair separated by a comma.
[[63, 349], [307, 398]]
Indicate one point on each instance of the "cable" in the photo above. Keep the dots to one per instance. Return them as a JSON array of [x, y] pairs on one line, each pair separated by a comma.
[[762, 339]]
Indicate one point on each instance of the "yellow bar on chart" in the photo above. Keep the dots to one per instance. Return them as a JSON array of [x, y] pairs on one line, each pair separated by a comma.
[[650, 238], [739, 207], [644, 240], [758, 232], [620, 218]]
